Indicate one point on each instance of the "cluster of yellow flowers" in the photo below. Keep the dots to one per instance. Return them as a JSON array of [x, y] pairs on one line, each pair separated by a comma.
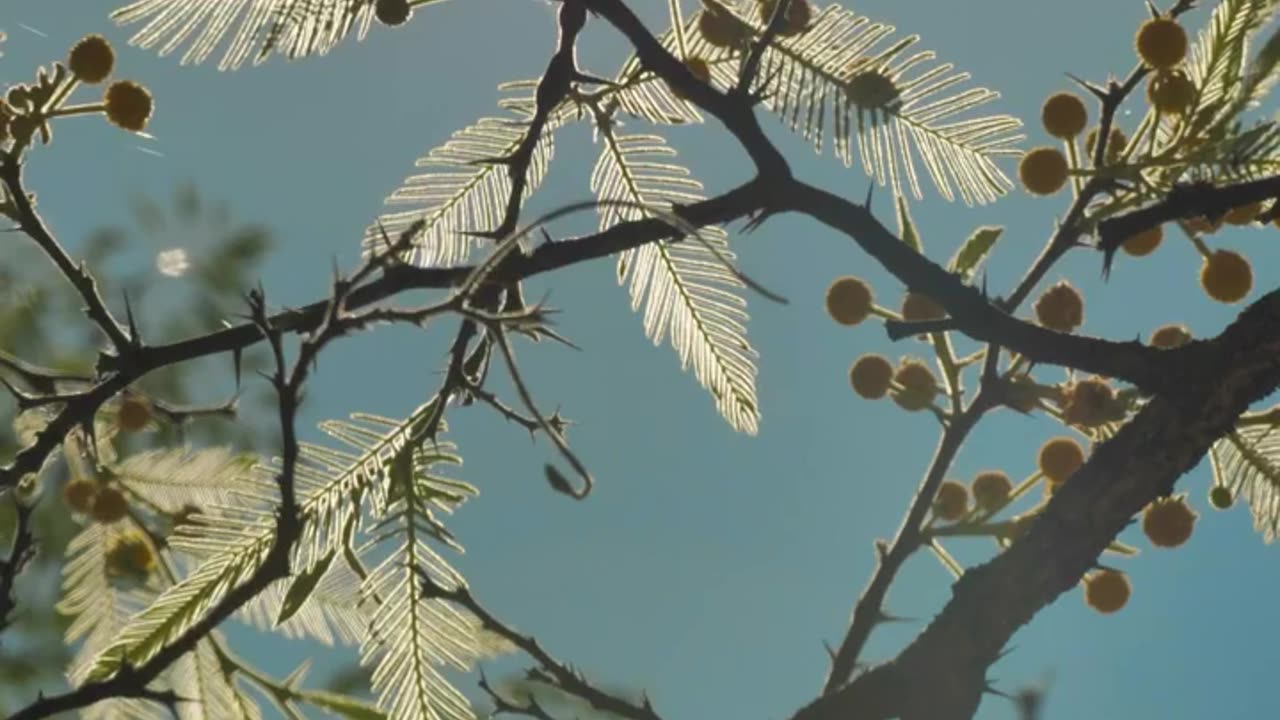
[[101, 499], [27, 108], [1161, 43], [849, 301]]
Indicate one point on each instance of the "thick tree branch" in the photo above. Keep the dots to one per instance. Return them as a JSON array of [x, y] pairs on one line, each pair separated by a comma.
[[941, 674], [735, 111], [973, 313], [1183, 203]]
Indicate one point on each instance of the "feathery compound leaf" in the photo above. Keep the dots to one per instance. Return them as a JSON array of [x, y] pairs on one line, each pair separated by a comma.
[[686, 288], [98, 607], [332, 614], [293, 28], [171, 478], [235, 542], [640, 93], [1248, 462], [461, 190], [1219, 61], [840, 78], [412, 634], [202, 677]]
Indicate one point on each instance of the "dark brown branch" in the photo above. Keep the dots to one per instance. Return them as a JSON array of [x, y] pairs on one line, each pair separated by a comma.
[[1183, 203], [940, 675], [555, 85], [973, 313], [735, 111], [554, 672], [77, 275], [21, 551], [732, 205], [132, 681], [869, 610]]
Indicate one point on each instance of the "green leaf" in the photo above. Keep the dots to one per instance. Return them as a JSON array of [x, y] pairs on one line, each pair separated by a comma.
[[975, 250], [907, 228], [302, 586]]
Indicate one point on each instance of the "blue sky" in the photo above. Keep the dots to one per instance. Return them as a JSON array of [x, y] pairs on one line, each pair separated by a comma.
[[707, 567]]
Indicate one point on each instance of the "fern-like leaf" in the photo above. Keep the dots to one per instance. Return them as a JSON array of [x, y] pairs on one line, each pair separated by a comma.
[[846, 78], [203, 679], [333, 614], [171, 478], [461, 189], [256, 28], [411, 634], [1248, 463], [640, 93], [234, 539], [1220, 60], [687, 289]]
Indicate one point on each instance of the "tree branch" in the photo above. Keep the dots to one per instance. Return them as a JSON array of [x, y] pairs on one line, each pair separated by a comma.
[[940, 675], [77, 275], [556, 672]]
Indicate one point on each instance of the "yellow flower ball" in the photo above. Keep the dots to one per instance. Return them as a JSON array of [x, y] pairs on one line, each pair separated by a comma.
[[1043, 171], [1060, 458], [392, 13], [872, 90], [870, 376], [1226, 276], [720, 29], [1060, 308], [131, 557], [918, 307], [799, 13], [109, 506], [991, 490], [1144, 243], [1161, 43], [919, 387], [79, 495], [1170, 336], [1089, 403], [1220, 497], [129, 105], [849, 300], [1116, 142], [134, 413], [1244, 214], [1171, 92], [92, 59], [1168, 522], [1064, 115], [1106, 591], [951, 502]]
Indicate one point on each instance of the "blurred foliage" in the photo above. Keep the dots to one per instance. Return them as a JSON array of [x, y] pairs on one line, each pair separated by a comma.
[[41, 322]]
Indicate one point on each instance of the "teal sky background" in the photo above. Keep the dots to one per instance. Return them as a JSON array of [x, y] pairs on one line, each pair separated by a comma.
[[708, 567]]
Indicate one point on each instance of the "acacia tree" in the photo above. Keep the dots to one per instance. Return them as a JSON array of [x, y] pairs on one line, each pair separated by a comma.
[[340, 544]]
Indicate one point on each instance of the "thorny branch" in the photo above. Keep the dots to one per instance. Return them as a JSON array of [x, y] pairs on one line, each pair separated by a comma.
[[552, 671], [1200, 390], [21, 551], [31, 224]]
